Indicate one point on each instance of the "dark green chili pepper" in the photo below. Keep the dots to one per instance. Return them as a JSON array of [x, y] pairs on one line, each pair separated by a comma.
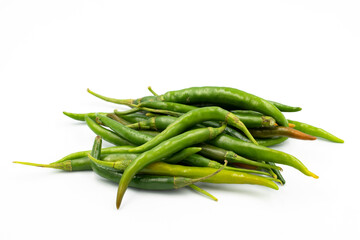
[[280, 131], [148, 182], [285, 108], [315, 131], [105, 134], [96, 153], [259, 153], [162, 150], [216, 95], [190, 119], [277, 173]]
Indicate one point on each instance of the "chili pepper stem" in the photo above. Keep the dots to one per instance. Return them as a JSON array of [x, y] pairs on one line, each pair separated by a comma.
[[202, 191], [209, 176], [63, 165], [128, 102], [154, 93]]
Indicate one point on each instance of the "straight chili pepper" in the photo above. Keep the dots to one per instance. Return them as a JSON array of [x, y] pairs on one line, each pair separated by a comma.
[[315, 131]]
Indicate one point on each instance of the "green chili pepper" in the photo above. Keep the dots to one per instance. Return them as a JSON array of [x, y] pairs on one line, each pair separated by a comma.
[[254, 119], [134, 117], [108, 150], [81, 164], [149, 182], [162, 150], [81, 116], [285, 108], [162, 122], [220, 154], [149, 132], [84, 163], [260, 153], [216, 95], [161, 168], [271, 141], [315, 131], [277, 173], [190, 119], [117, 118], [105, 134], [129, 134], [280, 131], [169, 106], [154, 123], [200, 161]]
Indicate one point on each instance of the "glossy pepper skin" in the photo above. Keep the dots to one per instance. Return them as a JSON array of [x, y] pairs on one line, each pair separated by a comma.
[[162, 122], [213, 95], [146, 182], [163, 150], [315, 131], [285, 108], [224, 176], [280, 131], [106, 134], [189, 120], [260, 153], [225, 95]]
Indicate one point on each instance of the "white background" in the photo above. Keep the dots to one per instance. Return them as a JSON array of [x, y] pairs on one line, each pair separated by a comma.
[[304, 53]]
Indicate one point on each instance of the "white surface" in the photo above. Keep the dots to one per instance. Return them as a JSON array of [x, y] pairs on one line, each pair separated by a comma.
[[300, 53]]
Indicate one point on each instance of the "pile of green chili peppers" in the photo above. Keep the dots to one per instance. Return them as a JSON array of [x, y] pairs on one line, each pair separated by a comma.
[[199, 134]]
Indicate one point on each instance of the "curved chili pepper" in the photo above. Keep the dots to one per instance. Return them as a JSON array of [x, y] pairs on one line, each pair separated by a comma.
[[190, 119], [105, 134], [164, 149], [216, 95], [260, 153], [285, 108]]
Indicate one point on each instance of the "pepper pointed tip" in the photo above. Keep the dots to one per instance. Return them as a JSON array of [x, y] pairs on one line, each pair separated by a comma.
[[314, 175]]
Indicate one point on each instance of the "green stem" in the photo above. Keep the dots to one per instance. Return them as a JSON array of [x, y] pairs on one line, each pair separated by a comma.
[[154, 93], [200, 190]]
